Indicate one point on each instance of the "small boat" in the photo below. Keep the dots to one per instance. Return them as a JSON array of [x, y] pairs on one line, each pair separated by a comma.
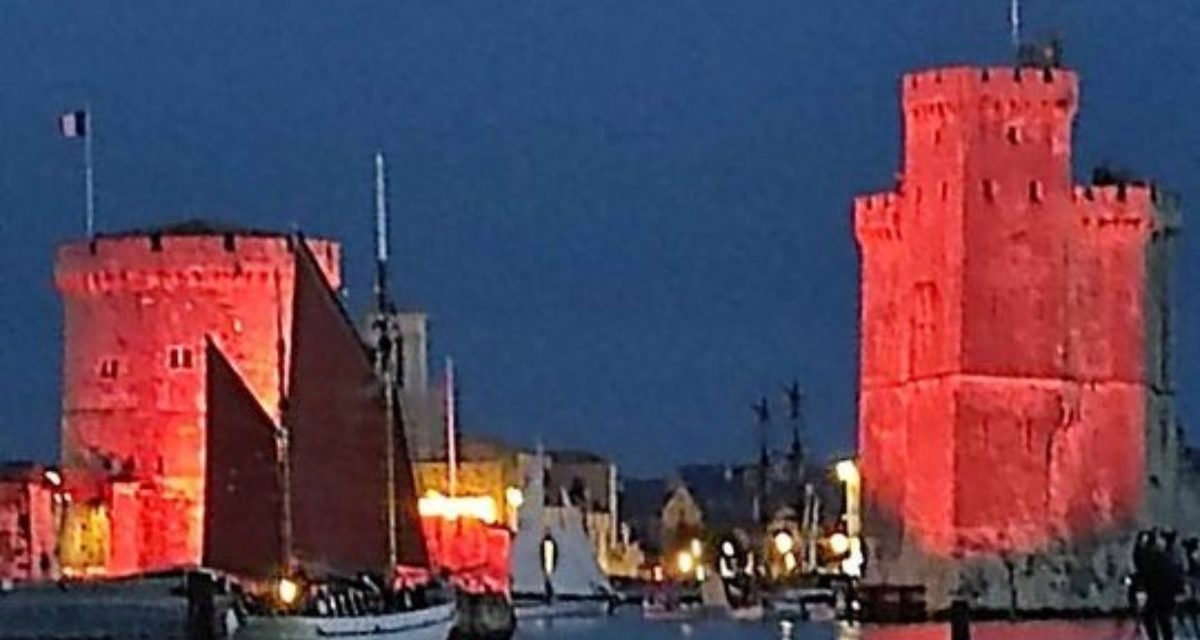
[[665, 603], [738, 603], [669, 611], [554, 569], [430, 623], [815, 603]]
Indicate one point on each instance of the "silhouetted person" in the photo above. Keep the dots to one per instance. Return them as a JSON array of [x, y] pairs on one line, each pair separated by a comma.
[[1163, 580], [1191, 578], [1143, 547]]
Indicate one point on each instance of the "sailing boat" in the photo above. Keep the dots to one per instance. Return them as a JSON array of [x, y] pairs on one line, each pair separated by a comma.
[[316, 516], [554, 569]]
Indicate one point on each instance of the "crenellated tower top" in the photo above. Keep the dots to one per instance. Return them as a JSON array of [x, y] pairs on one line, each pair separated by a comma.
[[954, 115]]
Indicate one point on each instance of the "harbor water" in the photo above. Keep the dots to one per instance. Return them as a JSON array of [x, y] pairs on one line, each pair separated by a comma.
[[629, 626]]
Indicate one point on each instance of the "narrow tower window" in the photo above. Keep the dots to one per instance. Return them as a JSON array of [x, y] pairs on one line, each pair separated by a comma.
[[109, 368], [1036, 191], [989, 190], [179, 358], [1013, 133]]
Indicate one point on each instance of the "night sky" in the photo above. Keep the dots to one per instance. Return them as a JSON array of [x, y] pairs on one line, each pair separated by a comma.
[[626, 219]]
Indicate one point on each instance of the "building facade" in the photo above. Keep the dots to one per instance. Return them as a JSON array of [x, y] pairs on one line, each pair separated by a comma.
[[423, 406], [1015, 387], [31, 503]]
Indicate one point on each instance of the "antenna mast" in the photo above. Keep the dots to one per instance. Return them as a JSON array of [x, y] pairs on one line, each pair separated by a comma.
[[381, 235], [386, 355]]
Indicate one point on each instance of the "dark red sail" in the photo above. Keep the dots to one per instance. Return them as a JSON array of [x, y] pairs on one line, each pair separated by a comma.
[[243, 492], [337, 419], [410, 535]]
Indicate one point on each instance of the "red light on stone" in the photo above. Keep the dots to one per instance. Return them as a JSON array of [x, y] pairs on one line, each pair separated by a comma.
[[137, 310], [1011, 324]]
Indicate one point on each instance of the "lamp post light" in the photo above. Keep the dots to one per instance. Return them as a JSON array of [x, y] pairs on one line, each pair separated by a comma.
[[848, 475]]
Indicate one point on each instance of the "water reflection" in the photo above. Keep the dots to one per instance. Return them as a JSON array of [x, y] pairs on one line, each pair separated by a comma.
[[1092, 630], [629, 625]]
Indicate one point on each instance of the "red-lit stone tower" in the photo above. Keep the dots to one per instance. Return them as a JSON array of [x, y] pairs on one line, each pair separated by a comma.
[[1014, 393], [138, 307]]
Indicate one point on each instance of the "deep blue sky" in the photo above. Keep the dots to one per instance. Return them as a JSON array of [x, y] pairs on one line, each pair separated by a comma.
[[627, 219]]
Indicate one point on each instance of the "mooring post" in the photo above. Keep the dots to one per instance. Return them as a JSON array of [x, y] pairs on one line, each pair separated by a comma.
[[200, 610], [960, 620]]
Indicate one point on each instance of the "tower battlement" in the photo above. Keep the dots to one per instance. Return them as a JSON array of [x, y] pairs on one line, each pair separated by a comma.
[[139, 262], [957, 118], [877, 217], [964, 87], [1137, 207]]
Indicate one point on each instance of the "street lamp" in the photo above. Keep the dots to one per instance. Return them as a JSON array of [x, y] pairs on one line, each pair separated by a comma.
[[685, 563], [839, 543], [514, 497], [847, 473], [784, 543]]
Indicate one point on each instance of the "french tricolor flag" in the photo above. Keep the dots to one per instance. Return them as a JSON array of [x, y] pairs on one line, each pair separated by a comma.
[[73, 124]]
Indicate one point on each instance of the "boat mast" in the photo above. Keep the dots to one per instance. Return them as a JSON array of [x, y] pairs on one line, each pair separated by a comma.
[[283, 436], [451, 428], [385, 350]]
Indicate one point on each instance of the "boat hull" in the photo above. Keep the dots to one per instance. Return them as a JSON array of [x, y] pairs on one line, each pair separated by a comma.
[[433, 623], [663, 614], [573, 608]]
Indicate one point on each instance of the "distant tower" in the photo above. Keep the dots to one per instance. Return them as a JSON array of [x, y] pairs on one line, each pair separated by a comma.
[[138, 307], [1014, 332]]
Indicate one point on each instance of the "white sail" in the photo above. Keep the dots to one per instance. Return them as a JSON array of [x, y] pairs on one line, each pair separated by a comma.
[[578, 572], [526, 558]]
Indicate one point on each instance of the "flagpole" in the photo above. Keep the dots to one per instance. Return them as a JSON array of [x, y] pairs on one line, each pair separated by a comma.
[[89, 184]]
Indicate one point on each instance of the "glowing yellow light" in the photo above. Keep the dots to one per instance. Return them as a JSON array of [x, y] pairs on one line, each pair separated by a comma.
[[288, 591], [852, 565], [846, 471], [514, 497], [789, 562], [685, 562], [696, 549], [658, 573], [839, 543], [549, 556], [784, 543], [53, 477], [701, 574], [481, 508]]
